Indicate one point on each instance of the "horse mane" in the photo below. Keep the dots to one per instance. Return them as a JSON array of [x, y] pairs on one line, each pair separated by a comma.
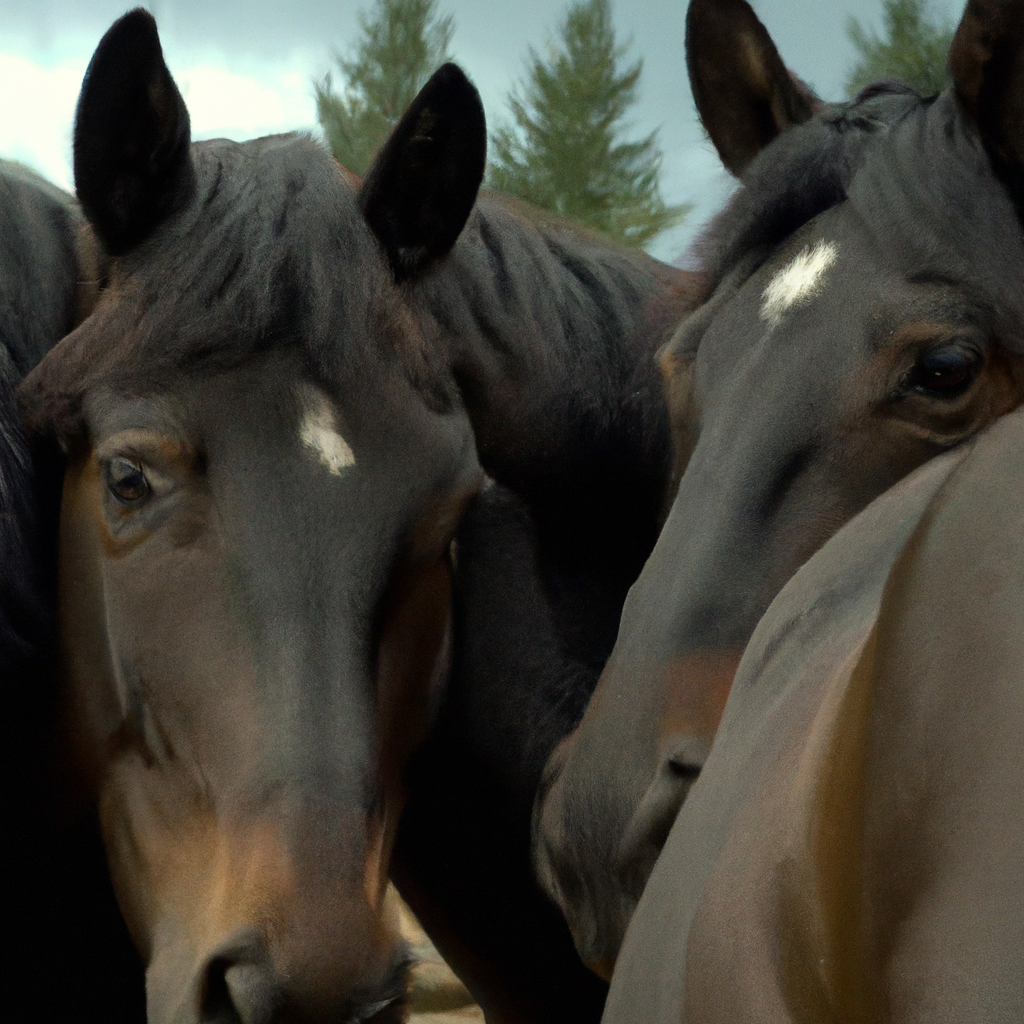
[[39, 226], [915, 170], [529, 295], [521, 269], [271, 253], [21, 609]]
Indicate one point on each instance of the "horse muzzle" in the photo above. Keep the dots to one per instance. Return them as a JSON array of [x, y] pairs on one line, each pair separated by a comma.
[[243, 980]]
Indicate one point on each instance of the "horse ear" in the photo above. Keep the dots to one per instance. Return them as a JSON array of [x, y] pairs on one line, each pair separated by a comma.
[[744, 94], [131, 142], [422, 186], [986, 61]]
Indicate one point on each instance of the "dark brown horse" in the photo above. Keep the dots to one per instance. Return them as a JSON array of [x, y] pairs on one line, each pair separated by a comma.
[[854, 847], [275, 418], [864, 315]]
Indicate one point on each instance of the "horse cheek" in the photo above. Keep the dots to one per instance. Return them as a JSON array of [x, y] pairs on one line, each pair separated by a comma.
[[412, 664]]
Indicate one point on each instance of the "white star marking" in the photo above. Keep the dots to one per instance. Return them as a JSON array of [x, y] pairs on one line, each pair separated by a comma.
[[797, 281], [319, 432]]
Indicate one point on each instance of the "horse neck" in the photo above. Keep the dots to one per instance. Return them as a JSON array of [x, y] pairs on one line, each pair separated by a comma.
[[550, 336]]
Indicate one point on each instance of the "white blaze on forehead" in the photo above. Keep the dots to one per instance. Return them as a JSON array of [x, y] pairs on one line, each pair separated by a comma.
[[318, 431], [797, 281]]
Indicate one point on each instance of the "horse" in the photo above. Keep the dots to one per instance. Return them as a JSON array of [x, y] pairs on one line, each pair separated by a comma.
[[275, 419], [863, 315], [853, 848], [38, 283], [540, 574], [57, 900]]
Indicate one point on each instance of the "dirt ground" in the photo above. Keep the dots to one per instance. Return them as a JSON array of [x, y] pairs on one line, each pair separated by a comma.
[[436, 996]]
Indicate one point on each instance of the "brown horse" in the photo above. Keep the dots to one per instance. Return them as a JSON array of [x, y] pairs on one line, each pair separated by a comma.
[[854, 847], [865, 314], [274, 420]]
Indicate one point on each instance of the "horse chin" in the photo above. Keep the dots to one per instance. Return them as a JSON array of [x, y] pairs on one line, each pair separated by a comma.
[[594, 854], [265, 918], [596, 920]]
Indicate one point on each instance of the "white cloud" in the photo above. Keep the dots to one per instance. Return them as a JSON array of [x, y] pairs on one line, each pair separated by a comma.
[[39, 105], [224, 103]]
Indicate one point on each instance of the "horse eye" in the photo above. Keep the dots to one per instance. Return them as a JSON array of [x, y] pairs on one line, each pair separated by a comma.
[[126, 481], [945, 372]]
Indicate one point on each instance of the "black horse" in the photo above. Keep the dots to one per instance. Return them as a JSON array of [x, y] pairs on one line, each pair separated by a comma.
[[58, 904], [275, 418], [39, 301], [539, 587]]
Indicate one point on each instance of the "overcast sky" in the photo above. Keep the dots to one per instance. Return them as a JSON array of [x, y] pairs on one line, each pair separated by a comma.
[[245, 67]]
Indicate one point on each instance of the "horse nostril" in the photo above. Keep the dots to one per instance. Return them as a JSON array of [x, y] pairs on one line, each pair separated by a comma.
[[391, 1010], [239, 993], [217, 1004], [253, 992]]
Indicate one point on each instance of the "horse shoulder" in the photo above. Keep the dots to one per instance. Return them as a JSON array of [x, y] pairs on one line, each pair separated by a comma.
[[944, 807], [748, 899]]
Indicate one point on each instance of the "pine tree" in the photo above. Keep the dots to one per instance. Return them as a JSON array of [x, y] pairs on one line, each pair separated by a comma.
[[403, 42], [563, 150], [914, 48]]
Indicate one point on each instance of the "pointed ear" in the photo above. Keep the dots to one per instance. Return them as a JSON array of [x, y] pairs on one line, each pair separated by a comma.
[[422, 186], [986, 61], [131, 147], [744, 94]]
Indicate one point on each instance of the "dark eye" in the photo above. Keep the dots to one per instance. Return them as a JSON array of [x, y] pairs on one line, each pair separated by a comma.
[[945, 372], [126, 481]]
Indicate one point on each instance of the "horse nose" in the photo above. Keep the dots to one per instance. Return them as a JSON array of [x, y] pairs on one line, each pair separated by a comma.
[[239, 984]]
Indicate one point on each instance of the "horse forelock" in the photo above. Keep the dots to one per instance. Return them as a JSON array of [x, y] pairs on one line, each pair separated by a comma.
[[804, 172], [272, 252], [916, 172]]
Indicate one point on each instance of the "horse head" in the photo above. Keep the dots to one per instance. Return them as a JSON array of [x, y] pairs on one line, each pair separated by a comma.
[[863, 314], [265, 467]]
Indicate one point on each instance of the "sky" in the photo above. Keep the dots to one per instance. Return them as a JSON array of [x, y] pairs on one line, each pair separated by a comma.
[[245, 68]]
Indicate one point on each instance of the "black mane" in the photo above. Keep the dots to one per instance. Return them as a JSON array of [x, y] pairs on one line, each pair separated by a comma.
[[230, 275], [20, 605], [38, 304], [38, 297]]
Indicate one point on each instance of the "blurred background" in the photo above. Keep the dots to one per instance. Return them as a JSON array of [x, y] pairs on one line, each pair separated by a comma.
[[254, 67]]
